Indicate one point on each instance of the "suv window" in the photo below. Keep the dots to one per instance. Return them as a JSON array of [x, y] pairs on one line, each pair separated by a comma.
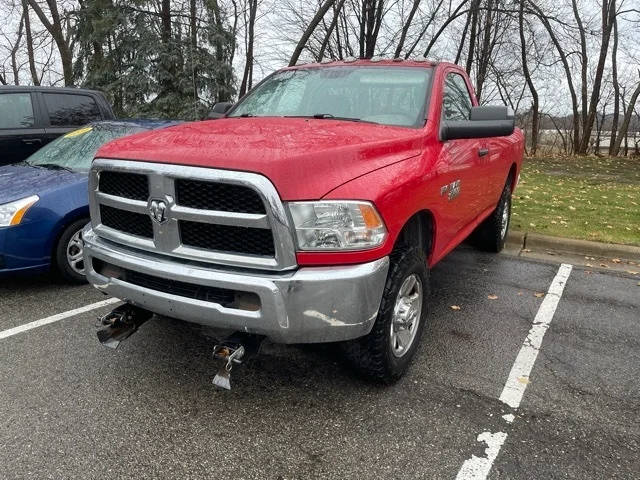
[[67, 109], [17, 111], [457, 101]]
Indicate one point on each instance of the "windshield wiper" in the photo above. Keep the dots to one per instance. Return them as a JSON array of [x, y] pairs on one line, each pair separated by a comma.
[[51, 166], [330, 116]]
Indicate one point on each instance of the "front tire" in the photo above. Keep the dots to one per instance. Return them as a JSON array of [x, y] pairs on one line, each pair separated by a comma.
[[69, 259], [384, 355]]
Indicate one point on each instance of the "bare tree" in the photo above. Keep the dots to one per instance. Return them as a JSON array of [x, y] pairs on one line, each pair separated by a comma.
[[62, 38], [324, 8], [624, 128]]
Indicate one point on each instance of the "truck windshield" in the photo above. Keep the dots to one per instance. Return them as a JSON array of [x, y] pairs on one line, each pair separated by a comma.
[[385, 95]]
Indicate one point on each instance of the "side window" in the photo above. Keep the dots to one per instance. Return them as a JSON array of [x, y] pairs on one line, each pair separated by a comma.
[[16, 110], [457, 101], [69, 110]]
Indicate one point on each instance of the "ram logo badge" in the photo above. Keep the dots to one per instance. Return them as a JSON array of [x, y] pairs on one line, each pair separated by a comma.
[[451, 189], [158, 210]]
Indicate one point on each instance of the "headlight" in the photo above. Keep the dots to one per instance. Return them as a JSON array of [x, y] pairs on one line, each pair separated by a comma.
[[337, 225], [11, 213]]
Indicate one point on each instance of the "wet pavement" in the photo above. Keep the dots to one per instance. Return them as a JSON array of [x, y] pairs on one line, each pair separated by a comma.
[[74, 409]]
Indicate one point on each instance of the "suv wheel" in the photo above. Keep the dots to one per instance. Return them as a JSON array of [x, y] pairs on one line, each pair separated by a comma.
[[69, 253], [385, 353]]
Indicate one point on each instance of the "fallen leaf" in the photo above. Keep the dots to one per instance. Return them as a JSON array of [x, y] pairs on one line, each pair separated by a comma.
[[616, 260], [455, 307], [524, 380], [588, 265], [519, 293], [539, 295], [492, 297], [604, 265], [632, 272], [526, 250]]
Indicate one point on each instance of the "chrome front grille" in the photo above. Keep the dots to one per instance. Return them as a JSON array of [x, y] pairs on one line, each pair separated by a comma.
[[204, 214]]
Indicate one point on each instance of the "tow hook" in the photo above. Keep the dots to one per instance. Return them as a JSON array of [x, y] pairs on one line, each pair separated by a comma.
[[120, 324], [233, 350]]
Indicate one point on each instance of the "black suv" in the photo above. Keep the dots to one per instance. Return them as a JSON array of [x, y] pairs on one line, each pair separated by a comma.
[[31, 117]]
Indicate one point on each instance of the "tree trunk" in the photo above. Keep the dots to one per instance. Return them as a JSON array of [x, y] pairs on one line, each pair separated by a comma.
[[608, 15], [54, 27], [527, 76], [474, 10], [309, 31], [567, 70], [248, 66], [616, 88], [405, 28], [624, 128], [27, 30], [14, 53], [332, 27]]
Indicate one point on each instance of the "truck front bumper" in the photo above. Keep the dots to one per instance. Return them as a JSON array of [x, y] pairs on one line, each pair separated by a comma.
[[308, 305]]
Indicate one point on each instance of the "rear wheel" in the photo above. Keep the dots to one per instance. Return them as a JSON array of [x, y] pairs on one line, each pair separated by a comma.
[[492, 233], [69, 251], [385, 353]]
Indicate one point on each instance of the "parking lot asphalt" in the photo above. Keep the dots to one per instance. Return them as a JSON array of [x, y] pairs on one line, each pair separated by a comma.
[[71, 408]]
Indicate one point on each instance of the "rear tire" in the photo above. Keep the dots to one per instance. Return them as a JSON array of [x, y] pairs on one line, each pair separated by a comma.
[[492, 233], [68, 253], [384, 355]]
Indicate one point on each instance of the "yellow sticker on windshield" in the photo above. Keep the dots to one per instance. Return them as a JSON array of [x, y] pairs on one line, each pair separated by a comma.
[[80, 131]]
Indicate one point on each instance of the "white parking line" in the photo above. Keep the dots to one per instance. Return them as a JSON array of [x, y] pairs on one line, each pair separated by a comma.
[[55, 318], [478, 468]]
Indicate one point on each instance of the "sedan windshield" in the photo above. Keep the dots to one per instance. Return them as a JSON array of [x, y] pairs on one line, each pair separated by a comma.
[[386, 95], [75, 150]]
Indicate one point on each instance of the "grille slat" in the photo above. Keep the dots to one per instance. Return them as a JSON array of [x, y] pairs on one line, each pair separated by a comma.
[[224, 238], [224, 197], [124, 184], [125, 221]]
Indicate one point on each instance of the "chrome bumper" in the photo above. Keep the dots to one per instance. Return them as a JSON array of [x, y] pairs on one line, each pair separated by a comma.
[[308, 305]]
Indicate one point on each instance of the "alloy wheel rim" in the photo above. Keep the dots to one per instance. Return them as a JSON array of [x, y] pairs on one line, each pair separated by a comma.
[[75, 250], [406, 315], [505, 218]]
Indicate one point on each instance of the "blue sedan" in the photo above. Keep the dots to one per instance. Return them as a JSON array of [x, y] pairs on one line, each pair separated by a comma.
[[44, 201]]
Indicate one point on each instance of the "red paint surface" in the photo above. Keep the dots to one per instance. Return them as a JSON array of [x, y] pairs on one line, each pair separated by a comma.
[[400, 169]]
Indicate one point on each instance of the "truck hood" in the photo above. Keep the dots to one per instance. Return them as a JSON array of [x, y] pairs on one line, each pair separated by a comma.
[[304, 158], [20, 181]]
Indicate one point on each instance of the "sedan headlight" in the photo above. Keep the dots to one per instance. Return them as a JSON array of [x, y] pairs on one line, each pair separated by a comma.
[[12, 213], [337, 225]]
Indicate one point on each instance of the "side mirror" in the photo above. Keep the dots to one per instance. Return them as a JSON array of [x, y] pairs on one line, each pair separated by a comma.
[[219, 109], [491, 121]]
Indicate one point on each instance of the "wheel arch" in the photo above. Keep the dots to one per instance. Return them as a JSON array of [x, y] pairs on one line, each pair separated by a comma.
[[512, 178], [61, 226], [418, 231]]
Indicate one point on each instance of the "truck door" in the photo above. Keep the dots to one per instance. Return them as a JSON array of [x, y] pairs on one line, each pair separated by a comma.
[[460, 185], [21, 133]]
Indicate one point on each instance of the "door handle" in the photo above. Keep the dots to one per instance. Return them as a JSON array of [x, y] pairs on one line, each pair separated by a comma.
[[31, 141], [483, 151]]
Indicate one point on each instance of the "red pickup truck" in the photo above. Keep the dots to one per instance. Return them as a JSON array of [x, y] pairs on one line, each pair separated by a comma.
[[311, 211]]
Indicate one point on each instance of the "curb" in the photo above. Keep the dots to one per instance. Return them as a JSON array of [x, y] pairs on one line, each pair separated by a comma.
[[535, 241]]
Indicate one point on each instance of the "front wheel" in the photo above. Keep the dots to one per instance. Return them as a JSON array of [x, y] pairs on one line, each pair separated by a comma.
[[385, 353], [69, 251]]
